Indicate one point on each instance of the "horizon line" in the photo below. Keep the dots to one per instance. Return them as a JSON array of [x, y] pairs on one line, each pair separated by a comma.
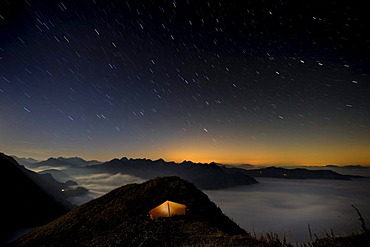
[[200, 162]]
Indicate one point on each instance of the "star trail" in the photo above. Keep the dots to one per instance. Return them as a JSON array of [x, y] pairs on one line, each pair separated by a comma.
[[260, 82]]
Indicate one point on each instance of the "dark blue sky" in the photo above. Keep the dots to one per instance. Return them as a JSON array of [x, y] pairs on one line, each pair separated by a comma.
[[231, 81]]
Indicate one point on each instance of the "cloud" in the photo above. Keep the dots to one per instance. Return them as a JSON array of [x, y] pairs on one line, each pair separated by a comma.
[[102, 183], [43, 168], [25, 142]]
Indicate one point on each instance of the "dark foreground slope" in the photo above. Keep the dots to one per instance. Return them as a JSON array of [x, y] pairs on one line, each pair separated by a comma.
[[355, 240], [24, 203], [120, 218]]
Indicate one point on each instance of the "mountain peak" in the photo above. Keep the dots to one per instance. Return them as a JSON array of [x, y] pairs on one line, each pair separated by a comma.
[[52, 159], [121, 218]]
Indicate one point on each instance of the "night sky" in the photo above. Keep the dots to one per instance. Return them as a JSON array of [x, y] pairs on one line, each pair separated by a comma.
[[260, 82]]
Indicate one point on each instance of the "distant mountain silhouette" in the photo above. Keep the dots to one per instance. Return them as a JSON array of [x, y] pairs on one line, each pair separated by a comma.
[[348, 166], [25, 202], [244, 166], [213, 175], [332, 166], [25, 161], [57, 174], [297, 173], [121, 218], [74, 162], [204, 176], [51, 162], [77, 161], [29, 160]]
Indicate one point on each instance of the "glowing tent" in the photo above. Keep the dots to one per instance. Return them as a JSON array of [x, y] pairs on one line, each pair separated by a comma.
[[167, 209]]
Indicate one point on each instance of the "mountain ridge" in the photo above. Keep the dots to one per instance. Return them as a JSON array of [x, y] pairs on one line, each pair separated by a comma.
[[204, 176]]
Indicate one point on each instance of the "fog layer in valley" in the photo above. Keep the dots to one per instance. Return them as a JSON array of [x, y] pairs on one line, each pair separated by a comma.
[[288, 206], [100, 184], [95, 181]]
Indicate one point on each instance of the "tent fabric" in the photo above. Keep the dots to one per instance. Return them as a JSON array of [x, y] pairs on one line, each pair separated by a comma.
[[167, 209]]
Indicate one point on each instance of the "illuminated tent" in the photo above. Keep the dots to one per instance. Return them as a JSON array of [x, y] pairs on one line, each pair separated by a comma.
[[167, 209]]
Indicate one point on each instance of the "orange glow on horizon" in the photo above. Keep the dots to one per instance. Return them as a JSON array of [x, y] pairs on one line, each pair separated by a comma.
[[205, 151], [267, 155]]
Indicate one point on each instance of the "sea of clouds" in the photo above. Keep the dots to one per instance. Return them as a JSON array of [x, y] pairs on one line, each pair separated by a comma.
[[287, 207]]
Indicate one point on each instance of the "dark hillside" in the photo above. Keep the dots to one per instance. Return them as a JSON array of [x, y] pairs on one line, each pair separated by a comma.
[[24, 204], [120, 218]]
